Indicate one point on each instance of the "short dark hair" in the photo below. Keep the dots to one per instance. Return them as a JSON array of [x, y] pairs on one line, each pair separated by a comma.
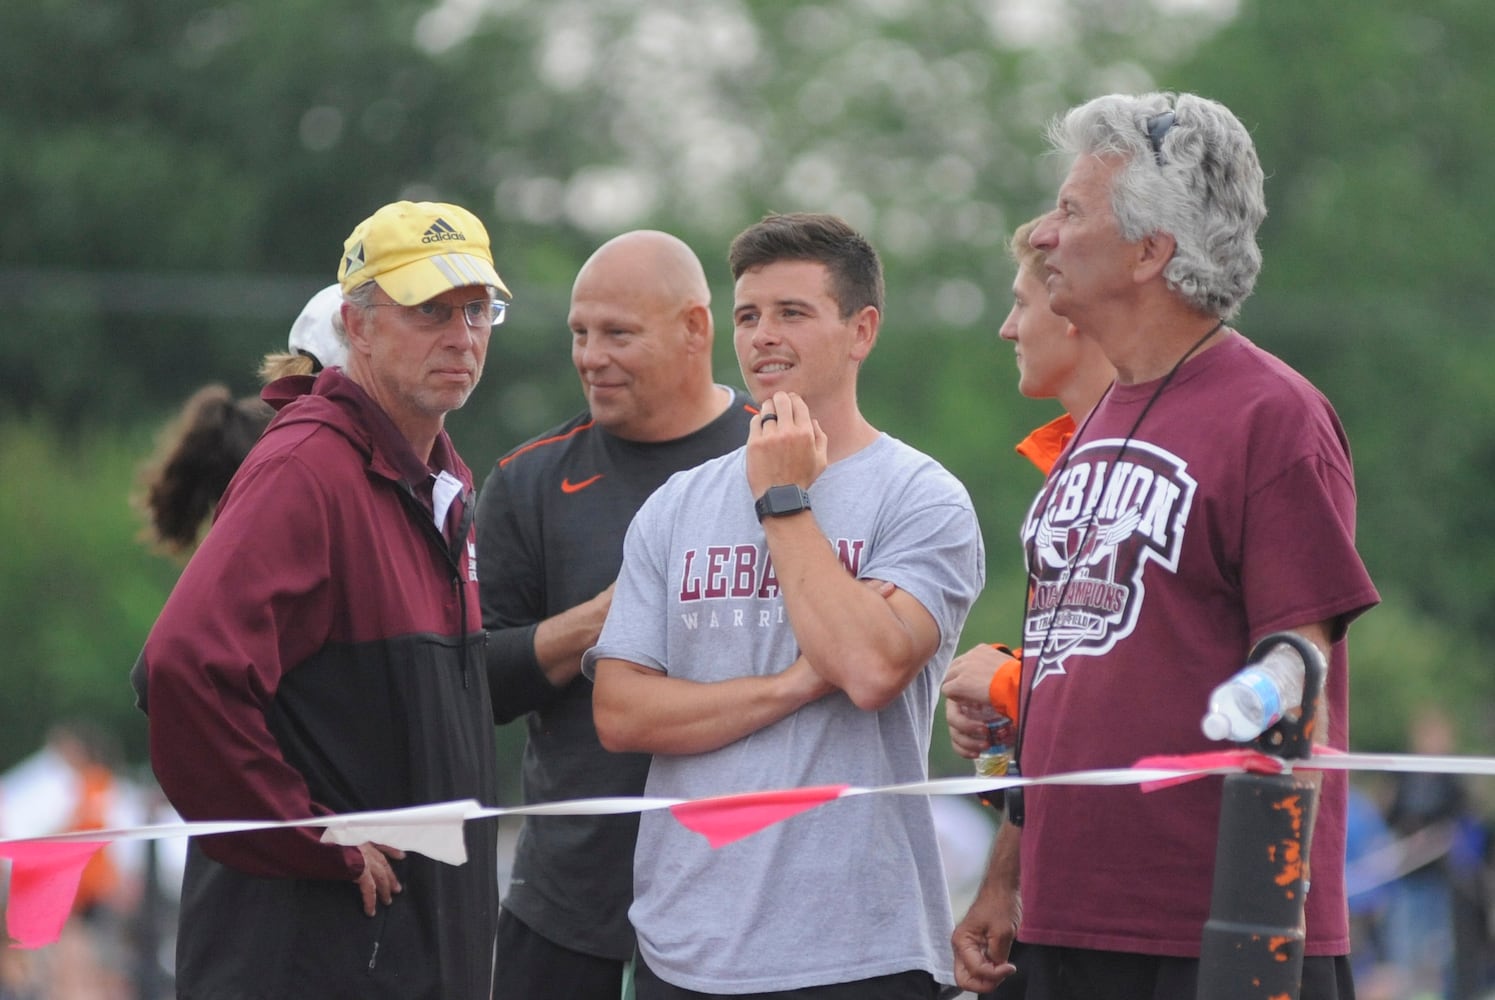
[[855, 272]]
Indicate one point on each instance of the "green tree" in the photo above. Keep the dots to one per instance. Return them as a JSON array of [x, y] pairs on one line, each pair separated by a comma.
[[1378, 187], [79, 592]]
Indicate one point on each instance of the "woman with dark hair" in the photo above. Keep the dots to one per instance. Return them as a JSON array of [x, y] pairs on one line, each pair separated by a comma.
[[196, 455], [199, 451]]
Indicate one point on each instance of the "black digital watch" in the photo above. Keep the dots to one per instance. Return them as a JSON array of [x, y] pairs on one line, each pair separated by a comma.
[[781, 501]]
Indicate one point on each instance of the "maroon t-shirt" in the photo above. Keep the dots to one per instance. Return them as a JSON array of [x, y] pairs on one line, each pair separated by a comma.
[[1228, 515]]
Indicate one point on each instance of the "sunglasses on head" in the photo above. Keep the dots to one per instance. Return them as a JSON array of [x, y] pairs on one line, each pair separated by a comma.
[[1157, 127]]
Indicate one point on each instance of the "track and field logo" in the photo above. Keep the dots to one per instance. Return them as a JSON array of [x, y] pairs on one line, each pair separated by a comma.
[[354, 260], [1090, 536]]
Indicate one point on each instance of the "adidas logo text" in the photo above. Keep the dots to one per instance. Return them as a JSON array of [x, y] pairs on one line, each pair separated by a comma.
[[441, 230]]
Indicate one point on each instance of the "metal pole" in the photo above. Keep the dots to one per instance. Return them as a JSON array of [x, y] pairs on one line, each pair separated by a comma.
[[1252, 946]]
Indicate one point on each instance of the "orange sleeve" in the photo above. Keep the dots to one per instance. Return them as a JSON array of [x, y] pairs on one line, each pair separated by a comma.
[[1004, 683]]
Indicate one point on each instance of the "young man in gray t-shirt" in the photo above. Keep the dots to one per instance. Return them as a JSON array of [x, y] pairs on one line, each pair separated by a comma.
[[746, 650]]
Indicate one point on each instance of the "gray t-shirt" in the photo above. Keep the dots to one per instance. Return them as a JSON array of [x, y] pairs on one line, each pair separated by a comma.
[[852, 889]]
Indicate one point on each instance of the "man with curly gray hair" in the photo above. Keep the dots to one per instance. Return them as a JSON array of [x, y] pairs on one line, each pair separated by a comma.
[[1207, 501]]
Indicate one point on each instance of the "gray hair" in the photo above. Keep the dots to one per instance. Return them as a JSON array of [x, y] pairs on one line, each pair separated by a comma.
[[1196, 179], [360, 295]]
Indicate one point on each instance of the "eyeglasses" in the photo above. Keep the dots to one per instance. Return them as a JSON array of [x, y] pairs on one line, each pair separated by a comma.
[[478, 314], [1157, 127]]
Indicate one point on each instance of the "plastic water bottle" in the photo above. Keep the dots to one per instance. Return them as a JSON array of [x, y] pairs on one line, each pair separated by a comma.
[[997, 757], [1254, 699]]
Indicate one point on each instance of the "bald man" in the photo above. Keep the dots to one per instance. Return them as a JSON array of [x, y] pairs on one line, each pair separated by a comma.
[[551, 520]]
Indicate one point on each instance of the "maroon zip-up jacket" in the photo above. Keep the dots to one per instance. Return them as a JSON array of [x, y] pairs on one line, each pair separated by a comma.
[[322, 652]]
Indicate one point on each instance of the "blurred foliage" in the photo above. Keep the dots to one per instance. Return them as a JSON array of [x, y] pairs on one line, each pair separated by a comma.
[[178, 178], [80, 589]]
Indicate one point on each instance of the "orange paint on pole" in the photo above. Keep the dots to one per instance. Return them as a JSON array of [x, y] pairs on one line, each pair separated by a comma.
[[1291, 860]]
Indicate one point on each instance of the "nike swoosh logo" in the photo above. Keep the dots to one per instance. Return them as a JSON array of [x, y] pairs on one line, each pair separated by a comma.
[[567, 486]]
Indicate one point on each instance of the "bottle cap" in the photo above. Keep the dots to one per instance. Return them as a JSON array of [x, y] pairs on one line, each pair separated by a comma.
[[1216, 726]]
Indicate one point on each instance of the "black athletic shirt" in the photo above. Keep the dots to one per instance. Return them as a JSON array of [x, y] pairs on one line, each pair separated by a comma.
[[551, 520]]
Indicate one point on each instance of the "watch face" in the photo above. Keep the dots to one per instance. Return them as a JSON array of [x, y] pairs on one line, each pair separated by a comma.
[[778, 501], [782, 498]]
